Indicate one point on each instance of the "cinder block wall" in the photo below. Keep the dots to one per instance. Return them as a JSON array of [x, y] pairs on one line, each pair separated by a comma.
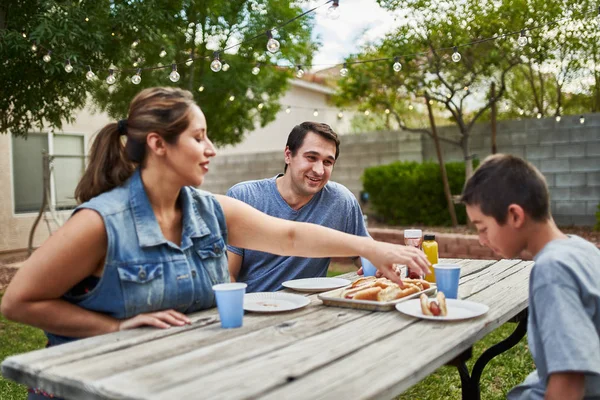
[[567, 153]]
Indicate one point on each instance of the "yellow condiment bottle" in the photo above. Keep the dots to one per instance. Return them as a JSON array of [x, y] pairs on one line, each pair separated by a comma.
[[430, 248]]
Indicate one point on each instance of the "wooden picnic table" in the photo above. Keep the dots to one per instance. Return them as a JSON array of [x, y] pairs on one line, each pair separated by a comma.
[[317, 351]]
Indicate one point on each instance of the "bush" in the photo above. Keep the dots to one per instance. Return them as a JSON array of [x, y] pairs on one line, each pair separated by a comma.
[[409, 193]]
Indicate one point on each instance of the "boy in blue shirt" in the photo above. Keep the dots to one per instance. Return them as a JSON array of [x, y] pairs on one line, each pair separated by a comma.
[[507, 200]]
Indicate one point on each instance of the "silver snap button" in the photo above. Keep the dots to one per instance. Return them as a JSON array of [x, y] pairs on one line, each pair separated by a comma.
[[194, 273], [217, 249], [142, 275]]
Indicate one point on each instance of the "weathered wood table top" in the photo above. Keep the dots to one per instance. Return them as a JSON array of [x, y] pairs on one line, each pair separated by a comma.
[[316, 351]]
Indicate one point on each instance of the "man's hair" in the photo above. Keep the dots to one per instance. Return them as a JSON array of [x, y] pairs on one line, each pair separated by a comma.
[[502, 180], [296, 137]]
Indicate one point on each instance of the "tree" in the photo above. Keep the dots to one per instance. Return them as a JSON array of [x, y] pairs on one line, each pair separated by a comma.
[[452, 85], [39, 94], [556, 63]]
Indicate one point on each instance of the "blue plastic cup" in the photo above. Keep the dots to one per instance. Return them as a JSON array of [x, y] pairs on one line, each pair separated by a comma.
[[446, 278], [230, 303], [368, 268]]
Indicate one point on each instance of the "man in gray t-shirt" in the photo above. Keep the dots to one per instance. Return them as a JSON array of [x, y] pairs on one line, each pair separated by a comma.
[[304, 194], [564, 316]]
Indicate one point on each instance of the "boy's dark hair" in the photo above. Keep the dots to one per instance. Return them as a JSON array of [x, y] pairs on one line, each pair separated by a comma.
[[297, 135], [502, 180]]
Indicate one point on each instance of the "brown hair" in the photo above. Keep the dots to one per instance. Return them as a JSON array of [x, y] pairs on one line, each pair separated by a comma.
[[502, 180], [112, 160], [297, 135]]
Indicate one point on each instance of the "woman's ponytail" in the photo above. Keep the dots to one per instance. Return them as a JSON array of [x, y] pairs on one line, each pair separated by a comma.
[[108, 165]]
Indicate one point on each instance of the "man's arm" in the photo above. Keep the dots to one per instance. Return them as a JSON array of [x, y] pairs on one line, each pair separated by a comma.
[[565, 386], [235, 264]]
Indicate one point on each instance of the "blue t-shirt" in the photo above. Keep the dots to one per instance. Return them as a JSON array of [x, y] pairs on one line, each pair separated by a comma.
[[333, 207], [564, 316]]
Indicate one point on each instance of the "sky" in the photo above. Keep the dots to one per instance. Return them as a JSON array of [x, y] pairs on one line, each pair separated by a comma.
[[360, 21]]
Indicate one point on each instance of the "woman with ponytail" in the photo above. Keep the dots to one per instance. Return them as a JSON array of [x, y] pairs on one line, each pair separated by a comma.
[[145, 246]]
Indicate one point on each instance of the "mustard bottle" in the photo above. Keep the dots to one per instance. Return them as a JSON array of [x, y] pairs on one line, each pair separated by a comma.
[[430, 248]]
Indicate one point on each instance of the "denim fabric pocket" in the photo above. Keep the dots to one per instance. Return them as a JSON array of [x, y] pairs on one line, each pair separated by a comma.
[[143, 288], [213, 256]]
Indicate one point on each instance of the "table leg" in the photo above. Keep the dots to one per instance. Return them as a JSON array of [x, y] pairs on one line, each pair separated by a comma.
[[470, 383]]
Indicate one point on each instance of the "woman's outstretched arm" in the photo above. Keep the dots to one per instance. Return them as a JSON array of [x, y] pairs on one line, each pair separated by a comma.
[[252, 229]]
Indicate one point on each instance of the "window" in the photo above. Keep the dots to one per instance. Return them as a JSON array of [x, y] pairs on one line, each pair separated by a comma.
[[65, 170]]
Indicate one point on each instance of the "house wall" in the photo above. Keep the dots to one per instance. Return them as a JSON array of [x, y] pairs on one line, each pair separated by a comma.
[[15, 228], [567, 153], [303, 98]]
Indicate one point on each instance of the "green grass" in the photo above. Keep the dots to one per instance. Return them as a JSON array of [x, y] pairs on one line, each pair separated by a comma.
[[14, 339], [500, 375]]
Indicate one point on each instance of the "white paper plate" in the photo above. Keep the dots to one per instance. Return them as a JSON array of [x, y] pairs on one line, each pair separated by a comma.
[[269, 302], [457, 309], [314, 285]]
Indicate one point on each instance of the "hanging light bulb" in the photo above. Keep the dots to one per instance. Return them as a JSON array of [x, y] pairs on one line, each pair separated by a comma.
[[582, 120], [558, 118], [90, 75], [47, 57], [333, 12], [201, 89], [288, 110], [137, 78], [174, 75], [367, 112], [272, 44], [521, 112], [23, 34], [539, 115], [216, 65], [137, 62], [225, 67], [34, 47], [190, 60], [344, 70], [162, 53], [410, 107], [340, 115], [387, 110], [397, 66], [135, 43], [299, 72], [456, 55], [260, 106], [68, 67], [231, 98], [111, 77], [316, 113], [256, 69], [522, 40]]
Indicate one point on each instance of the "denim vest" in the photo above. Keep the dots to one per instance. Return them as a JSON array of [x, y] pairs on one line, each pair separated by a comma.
[[143, 271]]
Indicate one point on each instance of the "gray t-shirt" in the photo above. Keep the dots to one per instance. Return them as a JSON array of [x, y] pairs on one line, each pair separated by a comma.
[[564, 316], [334, 207]]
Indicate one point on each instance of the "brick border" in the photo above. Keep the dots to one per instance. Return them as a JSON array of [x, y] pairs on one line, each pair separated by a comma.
[[451, 245]]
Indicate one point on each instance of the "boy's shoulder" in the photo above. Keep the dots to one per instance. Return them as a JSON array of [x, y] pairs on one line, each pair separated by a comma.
[[563, 259]]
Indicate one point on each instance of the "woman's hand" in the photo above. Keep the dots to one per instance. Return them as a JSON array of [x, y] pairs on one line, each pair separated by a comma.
[[385, 255], [160, 319]]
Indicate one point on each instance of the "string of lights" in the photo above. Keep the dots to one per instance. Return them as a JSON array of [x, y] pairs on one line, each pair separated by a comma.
[[273, 46], [216, 65]]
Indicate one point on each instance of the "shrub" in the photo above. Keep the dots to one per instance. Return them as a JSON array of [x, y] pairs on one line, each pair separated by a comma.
[[409, 193]]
